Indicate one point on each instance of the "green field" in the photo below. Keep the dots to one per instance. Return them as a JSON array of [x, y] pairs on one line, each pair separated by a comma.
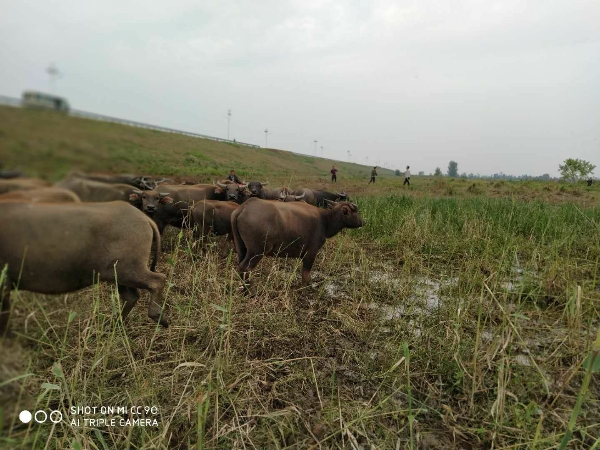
[[46, 144], [465, 314]]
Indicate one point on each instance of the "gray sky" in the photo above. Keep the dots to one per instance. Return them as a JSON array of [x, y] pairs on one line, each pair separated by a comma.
[[511, 86]]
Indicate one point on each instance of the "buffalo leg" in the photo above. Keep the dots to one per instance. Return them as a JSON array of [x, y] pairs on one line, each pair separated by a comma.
[[307, 264], [155, 284], [130, 297], [247, 265]]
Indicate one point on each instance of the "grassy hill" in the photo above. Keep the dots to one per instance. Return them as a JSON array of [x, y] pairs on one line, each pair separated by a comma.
[[47, 144]]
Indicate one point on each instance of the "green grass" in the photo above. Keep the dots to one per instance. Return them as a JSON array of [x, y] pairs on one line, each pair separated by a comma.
[[48, 144], [458, 317]]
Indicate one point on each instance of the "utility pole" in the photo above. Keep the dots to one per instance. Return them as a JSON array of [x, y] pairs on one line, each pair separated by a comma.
[[228, 119], [315, 141], [266, 134], [54, 74]]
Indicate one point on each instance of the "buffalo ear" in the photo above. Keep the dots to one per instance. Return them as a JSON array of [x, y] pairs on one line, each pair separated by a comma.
[[166, 200], [346, 210], [134, 197], [218, 190]]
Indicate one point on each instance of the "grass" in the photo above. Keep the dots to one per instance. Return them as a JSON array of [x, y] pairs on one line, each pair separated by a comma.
[[38, 140], [458, 317]]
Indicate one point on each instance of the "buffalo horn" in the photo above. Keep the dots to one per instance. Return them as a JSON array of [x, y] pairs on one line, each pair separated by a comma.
[[264, 183], [137, 191], [221, 185]]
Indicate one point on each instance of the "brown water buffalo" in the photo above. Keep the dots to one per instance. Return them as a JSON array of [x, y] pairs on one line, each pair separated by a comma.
[[297, 230], [169, 204], [283, 197], [45, 195], [21, 184], [322, 197], [233, 191], [137, 181], [96, 191], [309, 195], [212, 215], [62, 247]]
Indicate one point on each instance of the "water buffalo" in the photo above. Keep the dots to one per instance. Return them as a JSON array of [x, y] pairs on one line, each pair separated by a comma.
[[233, 191], [96, 191], [322, 196], [46, 195], [169, 204], [283, 197], [309, 195], [137, 181], [256, 188], [21, 184], [212, 215], [63, 247], [297, 230]]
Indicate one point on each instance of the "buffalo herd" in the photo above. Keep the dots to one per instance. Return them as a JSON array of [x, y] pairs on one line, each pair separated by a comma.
[[93, 227]]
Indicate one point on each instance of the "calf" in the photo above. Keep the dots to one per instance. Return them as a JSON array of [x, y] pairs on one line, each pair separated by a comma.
[[297, 230], [59, 248]]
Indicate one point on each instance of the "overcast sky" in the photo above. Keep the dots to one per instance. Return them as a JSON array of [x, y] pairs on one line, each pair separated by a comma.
[[511, 86]]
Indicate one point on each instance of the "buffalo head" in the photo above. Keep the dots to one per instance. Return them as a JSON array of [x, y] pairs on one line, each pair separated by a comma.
[[231, 189], [149, 200], [255, 187]]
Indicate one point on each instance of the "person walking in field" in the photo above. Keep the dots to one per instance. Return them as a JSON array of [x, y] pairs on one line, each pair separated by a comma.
[[373, 175], [407, 176], [333, 174]]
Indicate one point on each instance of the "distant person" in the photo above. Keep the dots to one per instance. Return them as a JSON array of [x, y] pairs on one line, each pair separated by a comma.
[[590, 182], [373, 175], [233, 177], [407, 176], [334, 172]]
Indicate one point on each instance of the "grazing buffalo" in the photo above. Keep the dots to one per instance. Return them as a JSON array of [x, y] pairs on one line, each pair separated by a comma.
[[233, 192], [297, 230], [21, 184], [322, 196], [169, 204], [283, 197], [137, 181], [45, 195], [96, 191], [212, 215], [60, 248], [309, 195]]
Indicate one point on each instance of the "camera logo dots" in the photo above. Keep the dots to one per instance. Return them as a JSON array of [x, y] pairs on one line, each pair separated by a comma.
[[41, 416], [25, 416]]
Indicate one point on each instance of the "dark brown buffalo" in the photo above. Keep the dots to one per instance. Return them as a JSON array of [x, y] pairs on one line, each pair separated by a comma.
[[45, 195], [256, 189], [297, 230], [96, 191], [322, 197], [233, 192], [283, 197], [21, 184], [309, 195], [212, 215], [61, 247], [169, 204]]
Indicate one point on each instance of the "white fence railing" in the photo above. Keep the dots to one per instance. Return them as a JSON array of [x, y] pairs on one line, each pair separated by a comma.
[[11, 101]]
